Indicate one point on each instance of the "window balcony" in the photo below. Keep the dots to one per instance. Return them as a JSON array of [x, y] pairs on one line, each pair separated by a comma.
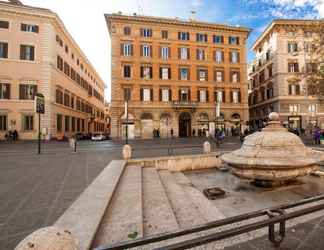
[[184, 104]]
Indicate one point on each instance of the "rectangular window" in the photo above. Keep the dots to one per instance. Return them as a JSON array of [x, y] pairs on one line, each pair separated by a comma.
[[292, 47], [4, 24], [312, 108], [27, 52], [146, 72], [29, 28], [146, 32], [27, 91], [4, 91], [127, 71], [219, 96], [146, 95], [184, 95], [200, 54], [219, 76], [3, 50], [165, 51], [73, 123], [66, 69], [184, 36], [202, 75], [146, 50], [234, 57], [236, 96], [219, 56], [127, 49], [3, 122], [201, 37], [72, 102], [184, 74], [184, 53], [59, 97], [59, 63], [202, 95], [127, 30], [66, 100], [59, 123], [28, 122], [293, 67], [235, 77], [164, 34], [218, 39], [165, 95], [293, 108], [127, 94], [233, 40], [165, 73], [67, 123]]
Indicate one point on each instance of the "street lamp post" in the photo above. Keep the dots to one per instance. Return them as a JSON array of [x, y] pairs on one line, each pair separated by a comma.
[[126, 127], [217, 117], [40, 109]]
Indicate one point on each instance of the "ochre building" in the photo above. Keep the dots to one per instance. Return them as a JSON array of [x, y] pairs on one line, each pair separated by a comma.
[[172, 73], [38, 55], [284, 58]]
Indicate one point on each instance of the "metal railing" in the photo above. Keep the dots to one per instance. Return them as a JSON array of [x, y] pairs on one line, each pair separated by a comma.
[[276, 215]]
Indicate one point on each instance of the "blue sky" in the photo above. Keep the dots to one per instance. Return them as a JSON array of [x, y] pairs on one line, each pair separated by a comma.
[[84, 19]]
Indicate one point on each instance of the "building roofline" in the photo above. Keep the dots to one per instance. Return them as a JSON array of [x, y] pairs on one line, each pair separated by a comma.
[[173, 21], [47, 13], [275, 22]]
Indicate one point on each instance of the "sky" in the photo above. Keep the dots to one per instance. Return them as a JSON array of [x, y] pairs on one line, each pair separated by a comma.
[[85, 21]]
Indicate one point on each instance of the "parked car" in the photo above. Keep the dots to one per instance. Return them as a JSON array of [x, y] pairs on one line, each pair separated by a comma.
[[98, 137]]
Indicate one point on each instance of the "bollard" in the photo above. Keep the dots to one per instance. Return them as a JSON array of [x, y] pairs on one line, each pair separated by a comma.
[[206, 147], [127, 152]]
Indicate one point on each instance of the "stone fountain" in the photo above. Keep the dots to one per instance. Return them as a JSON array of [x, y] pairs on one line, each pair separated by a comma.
[[273, 156]]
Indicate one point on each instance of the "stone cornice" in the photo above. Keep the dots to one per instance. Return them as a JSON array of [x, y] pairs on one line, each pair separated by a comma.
[[290, 23], [174, 21], [53, 18]]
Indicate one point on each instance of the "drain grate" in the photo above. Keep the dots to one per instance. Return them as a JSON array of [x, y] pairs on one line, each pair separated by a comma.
[[214, 193]]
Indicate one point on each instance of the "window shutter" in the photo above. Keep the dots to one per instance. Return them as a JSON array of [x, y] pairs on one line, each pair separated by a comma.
[[231, 76], [141, 94], [141, 48], [35, 90], [36, 28], [160, 73], [121, 49], [142, 72], [32, 51], [8, 91], [224, 96], [206, 75], [222, 39], [169, 73], [179, 95], [297, 89], [198, 75], [151, 72], [214, 55], [141, 32], [132, 49], [179, 74], [207, 95], [151, 94], [198, 95], [231, 96], [160, 95], [23, 27], [223, 56], [290, 89], [239, 96], [170, 95], [21, 92], [230, 57], [197, 54], [160, 51], [189, 95], [151, 51], [215, 96], [238, 77], [169, 50], [238, 57], [238, 41], [223, 76], [22, 52], [179, 53], [188, 74], [179, 35]]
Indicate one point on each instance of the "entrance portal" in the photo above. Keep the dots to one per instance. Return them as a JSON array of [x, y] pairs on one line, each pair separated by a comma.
[[184, 125]]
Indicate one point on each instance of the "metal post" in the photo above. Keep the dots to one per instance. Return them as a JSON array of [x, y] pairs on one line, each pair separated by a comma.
[[39, 133], [75, 144], [126, 122]]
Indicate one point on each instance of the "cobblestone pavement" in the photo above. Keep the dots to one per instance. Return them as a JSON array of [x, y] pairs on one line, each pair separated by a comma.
[[36, 189]]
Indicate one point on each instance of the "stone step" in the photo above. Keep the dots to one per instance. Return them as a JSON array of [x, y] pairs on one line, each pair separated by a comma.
[[205, 206], [83, 217], [123, 219], [158, 214], [186, 212]]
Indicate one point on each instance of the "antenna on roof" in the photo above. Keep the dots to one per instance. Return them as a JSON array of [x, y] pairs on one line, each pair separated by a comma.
[[193, 15]]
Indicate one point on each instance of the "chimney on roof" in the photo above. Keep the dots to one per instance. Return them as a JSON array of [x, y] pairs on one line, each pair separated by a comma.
[[16, 2]]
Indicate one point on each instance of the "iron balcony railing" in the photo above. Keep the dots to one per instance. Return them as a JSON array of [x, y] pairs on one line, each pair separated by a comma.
[[181, 104], [275, 215]]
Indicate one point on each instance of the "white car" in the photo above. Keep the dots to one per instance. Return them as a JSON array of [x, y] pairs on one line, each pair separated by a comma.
[[98, 137]]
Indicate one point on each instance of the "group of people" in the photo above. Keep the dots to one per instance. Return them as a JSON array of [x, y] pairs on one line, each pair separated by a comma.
[[318, 134], [11, 135]]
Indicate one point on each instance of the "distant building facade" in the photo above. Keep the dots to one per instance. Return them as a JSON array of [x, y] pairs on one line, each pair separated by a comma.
[[38, 55], [172, 73], [276, 76]]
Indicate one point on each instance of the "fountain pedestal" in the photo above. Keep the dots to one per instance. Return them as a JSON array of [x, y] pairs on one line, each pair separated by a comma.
[[273, 156]]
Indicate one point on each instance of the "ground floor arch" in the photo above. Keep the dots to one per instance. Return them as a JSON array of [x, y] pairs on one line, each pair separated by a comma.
[[184, 124]]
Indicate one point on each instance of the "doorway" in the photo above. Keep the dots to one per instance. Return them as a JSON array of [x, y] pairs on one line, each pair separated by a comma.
[[184, 125]]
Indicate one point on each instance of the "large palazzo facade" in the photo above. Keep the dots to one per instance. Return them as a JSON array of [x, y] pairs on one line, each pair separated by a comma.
[[38, 55], [172, 73]]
